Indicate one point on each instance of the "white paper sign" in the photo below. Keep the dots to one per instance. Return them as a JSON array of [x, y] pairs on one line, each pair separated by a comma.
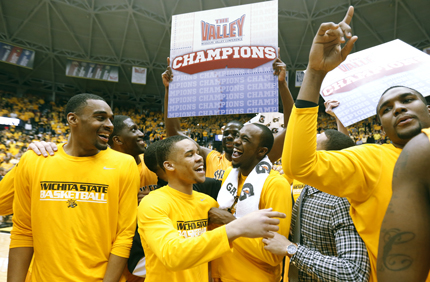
[[222, 61], [360, 80]]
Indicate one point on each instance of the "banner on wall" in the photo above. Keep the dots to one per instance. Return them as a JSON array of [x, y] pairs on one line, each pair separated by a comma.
[[222, 61], [90, 70], [300, 74], [360, 80], [16, 55], [138, 75]]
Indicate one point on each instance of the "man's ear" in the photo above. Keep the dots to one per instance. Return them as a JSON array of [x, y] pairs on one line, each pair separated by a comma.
[[262, 151], [169, 166], [117, 140], [72, 119], [428, 108]]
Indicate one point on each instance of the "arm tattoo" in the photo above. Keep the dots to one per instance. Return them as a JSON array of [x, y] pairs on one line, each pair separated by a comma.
[[396, 262]]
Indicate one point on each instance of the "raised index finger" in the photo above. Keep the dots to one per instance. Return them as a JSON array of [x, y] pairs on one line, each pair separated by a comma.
[[348, 17]]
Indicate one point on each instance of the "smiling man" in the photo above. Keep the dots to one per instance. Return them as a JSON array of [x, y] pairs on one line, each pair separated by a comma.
[[72, 210], [362, 174], [249, 186], [128, 139], [173, 220], [215, 162]]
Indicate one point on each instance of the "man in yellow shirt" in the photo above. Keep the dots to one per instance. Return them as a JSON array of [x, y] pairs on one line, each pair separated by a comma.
[[215, 162], [173, 220], [127, 138], [404, 242], [252, 185], [362, 174], [73, 209]]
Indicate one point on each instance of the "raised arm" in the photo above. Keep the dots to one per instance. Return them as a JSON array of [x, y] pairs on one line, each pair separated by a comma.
[[328, 171], [280, 69], [404, 241], [173, 125], [329, 106]]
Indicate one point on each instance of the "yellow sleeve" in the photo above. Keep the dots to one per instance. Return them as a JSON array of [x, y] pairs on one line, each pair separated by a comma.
[[7, 192], [352, 172], [174, 251], [126, 210], [22, 233], [275, 195]]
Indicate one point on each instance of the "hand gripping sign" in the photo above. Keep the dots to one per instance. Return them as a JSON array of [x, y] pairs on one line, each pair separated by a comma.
[[222, 61]]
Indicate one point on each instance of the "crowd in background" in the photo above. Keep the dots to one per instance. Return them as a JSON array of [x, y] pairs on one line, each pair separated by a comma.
[[42, 120]]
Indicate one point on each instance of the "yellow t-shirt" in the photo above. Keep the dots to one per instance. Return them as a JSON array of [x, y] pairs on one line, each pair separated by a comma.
[[74, 211], [426, 131], [216, 164], [173, 229], [148, 179], [363, 174], [249, 261], [6, 192]]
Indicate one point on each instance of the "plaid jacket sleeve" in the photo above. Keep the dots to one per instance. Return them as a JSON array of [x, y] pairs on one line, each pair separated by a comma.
[[352, 261]]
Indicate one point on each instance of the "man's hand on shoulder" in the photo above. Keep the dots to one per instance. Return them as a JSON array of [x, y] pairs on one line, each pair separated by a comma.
[[43, 148]]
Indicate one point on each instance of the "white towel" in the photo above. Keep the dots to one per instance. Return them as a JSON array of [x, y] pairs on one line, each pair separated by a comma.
[[249, 198]]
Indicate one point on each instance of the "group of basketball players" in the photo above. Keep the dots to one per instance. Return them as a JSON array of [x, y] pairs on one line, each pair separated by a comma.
[[75, 211]]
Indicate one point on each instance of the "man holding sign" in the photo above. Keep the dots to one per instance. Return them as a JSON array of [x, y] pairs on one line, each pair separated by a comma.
[[215, 162], [363, 174]]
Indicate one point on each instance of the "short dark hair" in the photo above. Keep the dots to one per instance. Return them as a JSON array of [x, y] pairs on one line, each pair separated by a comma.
[[150, 157], [118, 125], [336, 140], [77, 102], [164, 148], [266, 137], [240, 124], [398, 86]]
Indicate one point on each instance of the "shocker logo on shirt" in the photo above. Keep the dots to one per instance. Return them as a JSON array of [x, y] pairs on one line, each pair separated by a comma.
[[71, 203], [193, 228]]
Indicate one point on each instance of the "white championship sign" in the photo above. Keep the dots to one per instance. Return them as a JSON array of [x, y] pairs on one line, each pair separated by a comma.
[[222, 61], [360, 80]]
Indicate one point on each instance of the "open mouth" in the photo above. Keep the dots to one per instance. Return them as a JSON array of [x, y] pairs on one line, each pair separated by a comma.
[[104, 137], [236, 153], [140, 141], [404, 120], [200, 169]]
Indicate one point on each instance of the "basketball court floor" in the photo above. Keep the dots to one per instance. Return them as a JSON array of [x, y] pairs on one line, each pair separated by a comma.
[[4, 252]]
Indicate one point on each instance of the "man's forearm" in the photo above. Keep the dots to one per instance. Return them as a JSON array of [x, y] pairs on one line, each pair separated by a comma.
[[311, 85], [173, 126], [19, 261], [328, 268], [115, 268]]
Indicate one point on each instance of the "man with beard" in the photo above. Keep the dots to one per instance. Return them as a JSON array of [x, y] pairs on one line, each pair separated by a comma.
[[404, 241], [249, 186], [173, 220], [215, 162], [73, 209], [362, 174]]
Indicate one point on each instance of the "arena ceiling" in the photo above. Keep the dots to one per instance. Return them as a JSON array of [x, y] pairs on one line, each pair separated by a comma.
[[137, 33]]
